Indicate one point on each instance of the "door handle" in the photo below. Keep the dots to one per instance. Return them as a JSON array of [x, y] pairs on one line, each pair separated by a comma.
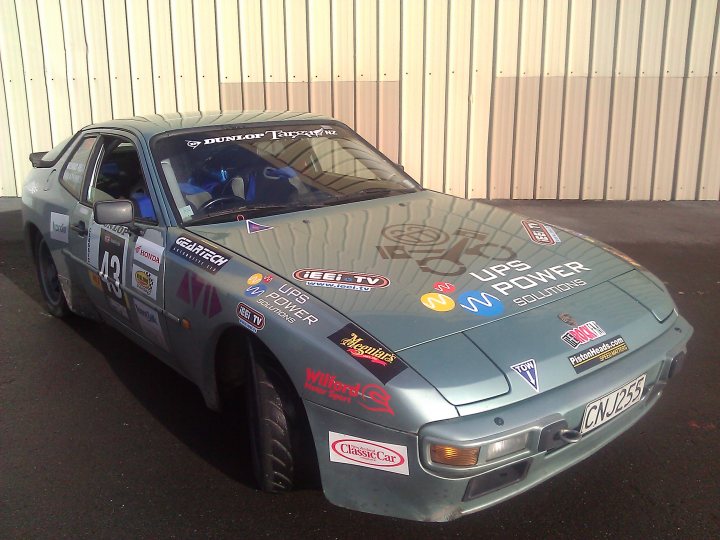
[[79, 228]]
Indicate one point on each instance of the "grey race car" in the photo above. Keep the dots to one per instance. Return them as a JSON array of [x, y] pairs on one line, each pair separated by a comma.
[[429, 356]]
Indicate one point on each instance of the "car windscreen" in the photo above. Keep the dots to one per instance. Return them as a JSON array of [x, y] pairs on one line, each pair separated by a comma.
[[235, 173]]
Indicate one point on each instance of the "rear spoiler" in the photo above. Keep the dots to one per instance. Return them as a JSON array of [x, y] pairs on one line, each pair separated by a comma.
[[36, 158]]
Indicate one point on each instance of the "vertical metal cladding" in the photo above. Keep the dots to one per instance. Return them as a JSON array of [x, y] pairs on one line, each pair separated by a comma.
[[591, 99]]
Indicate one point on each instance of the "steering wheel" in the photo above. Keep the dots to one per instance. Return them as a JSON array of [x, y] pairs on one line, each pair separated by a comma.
[[212, 202]]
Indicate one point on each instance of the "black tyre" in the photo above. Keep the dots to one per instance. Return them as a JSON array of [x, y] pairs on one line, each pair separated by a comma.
[[275, 428], [49, 281]]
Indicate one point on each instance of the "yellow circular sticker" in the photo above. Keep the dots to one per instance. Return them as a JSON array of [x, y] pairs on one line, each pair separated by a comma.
[[254, 279], [437, 302]]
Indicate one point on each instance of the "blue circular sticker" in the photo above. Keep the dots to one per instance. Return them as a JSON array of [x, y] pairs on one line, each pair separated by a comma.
[[481, 303], [256, 290]]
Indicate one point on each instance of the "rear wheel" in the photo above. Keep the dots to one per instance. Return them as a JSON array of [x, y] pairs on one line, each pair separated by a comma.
[[276, 423], [49, 281]]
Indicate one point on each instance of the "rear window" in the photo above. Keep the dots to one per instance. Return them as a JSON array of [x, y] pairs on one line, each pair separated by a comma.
[[73, 174]]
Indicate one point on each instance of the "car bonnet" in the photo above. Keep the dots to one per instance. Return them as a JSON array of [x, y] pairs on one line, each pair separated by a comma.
[[414, 268]]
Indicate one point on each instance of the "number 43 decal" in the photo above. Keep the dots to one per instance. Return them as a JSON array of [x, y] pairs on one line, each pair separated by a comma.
[[111, 257]]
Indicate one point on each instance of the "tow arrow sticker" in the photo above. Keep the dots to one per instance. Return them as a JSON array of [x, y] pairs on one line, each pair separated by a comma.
[[528, 371]]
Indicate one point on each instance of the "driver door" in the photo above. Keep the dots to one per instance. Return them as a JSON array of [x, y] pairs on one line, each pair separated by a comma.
[[123, 268]]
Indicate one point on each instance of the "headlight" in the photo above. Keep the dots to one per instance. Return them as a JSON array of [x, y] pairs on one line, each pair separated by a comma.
[[505, 447]]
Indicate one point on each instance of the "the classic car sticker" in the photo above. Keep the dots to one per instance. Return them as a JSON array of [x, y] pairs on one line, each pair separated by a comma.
[[366, 453], [481, 303], [59, 224], [540, 233], [598, 354], [199, 294], [144, 281], [425, 246], [251, 319], [444, 287], [288, 303], [199, 254], [255, 290], [253, 227], [340, 279], [528, 371], [368, 352], [273, 134], [582, 334], [371, 396], [112, 252], [149, 320], [437, 302], [148, 253]]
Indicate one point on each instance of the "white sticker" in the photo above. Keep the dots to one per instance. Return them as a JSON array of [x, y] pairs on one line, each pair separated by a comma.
[[186, 212], [365, 453], [59, 224], [148, 253], [149, 320], [144, 281]]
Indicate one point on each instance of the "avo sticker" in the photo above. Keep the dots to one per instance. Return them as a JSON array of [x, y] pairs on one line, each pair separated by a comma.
[[437, 302]]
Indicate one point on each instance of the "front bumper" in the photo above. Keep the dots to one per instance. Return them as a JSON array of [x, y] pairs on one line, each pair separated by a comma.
[[431, 492]]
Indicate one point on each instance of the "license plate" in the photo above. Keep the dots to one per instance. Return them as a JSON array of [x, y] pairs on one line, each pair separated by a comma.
[[609, 406]]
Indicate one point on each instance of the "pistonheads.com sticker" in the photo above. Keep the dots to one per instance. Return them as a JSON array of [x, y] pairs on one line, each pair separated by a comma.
[[597, 354]]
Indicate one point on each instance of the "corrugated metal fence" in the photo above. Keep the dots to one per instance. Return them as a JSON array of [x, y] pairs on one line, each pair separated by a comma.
[[615, 99]]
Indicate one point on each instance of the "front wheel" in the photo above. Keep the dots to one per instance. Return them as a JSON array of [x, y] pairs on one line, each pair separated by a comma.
[[272, 409], [49, 281]]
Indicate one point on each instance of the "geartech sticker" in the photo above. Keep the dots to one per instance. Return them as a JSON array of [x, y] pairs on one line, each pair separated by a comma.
[[540, 233], [251, 319], [597, 354], [438, 253], [340, 279], [199, 254], [370, 397], [368, 352], [582, 334], [365, 453], [528, 371]]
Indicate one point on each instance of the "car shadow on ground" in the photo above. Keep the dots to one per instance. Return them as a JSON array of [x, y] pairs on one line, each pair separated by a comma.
[[221, 439]]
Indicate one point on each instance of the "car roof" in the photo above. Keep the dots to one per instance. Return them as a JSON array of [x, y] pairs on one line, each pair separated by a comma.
[[150, 125]]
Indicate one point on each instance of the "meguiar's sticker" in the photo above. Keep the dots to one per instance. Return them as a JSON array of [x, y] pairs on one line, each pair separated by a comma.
[[368, 352]]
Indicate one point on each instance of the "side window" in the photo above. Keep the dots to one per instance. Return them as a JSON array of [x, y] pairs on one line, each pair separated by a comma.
[[119, 175], [73, 174]]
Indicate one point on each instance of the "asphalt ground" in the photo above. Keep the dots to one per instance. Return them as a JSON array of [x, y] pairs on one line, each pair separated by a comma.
[[98, 439]]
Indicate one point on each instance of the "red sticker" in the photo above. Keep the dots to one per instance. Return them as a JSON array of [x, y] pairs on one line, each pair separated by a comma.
[[444, 287]]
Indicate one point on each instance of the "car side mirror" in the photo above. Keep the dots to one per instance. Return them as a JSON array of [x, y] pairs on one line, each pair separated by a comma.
[[117, 212]]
